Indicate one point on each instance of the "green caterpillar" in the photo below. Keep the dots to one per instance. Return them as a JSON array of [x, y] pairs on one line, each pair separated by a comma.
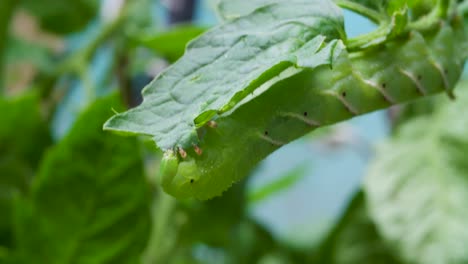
[[401, 70]]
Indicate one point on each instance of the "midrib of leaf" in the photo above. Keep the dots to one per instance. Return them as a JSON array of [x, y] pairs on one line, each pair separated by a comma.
[[84, 234]]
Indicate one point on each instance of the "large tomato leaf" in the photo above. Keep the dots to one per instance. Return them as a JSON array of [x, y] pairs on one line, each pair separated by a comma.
[[226, 64]]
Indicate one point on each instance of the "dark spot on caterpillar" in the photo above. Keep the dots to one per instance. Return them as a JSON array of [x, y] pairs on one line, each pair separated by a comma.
[[265, 133], [305, 113], [419, 77], [192, 180], [343, 94], [384, 85]]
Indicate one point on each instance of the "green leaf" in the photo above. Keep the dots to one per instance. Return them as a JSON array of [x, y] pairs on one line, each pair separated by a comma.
[[14, 178], [227, 64], [278, 185], [23, 138], [417, 187], [23, 132], [89, 203], [230, 9], [171, 43], [355, 239], [60, 16]]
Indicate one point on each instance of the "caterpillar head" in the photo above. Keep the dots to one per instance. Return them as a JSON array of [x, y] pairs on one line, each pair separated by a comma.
[[178, 178]]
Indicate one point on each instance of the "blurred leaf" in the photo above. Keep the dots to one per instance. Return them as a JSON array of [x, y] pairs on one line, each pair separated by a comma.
[[417, 187], [23, 132], [14, 178], [258, 46], [222, 223], [171, 43], [178, 226], [61, 16], [20, 50], [273, 188], [355, 239], [23, 138], [418, 108], [229, 210], [89, 203]]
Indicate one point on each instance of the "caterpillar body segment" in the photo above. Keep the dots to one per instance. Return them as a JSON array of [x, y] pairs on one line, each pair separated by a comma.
[[402, 70]]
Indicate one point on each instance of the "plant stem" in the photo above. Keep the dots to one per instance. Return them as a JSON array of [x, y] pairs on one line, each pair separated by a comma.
[[77, 63], [360, 42], [373, 15], [384, 31], [6, 12], [164, 232], [431, 19], [81, 58]]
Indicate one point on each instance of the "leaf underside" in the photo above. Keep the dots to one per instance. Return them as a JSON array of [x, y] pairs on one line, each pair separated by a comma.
[[226, 64]]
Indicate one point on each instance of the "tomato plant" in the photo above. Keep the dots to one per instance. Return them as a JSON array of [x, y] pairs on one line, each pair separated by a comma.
[[124, 140]]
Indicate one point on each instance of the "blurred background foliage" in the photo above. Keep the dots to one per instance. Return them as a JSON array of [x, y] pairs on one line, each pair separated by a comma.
[[71, 193]]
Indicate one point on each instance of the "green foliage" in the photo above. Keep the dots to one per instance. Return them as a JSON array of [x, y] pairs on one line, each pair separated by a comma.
[[273, 188], [402, 63], [89, 202], [271, 72], [171, 43], [23, 138], [62, 16], [246, 53], [418, 184], [24, 133], [355, 239], [230, 237]]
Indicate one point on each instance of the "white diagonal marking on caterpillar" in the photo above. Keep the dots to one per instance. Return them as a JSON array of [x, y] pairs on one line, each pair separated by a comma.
[[272, 141], [345, 102], [416, 82], [444, 79], [304, 119], [382, 91], [375, 85]]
